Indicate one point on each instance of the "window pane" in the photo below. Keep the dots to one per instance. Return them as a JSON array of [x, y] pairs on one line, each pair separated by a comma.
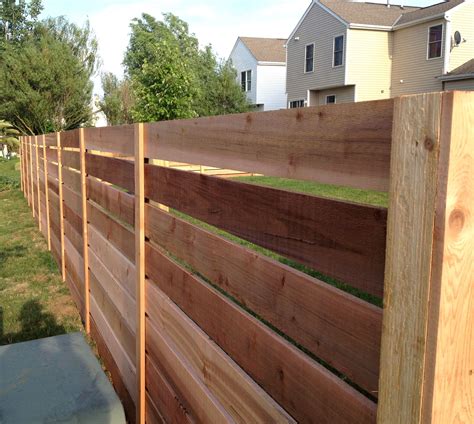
[[249, 80], [436, 33], [309, 55], [337, 58], [243, 82], [338, 43], [434, 50], [330, 99]]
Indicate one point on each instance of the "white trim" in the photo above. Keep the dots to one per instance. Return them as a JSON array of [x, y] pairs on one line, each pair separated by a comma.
[[297, 100], [264, 63], [371, 27], [343, 50], [246, 90], [305, 57], [346, 48], [421, 20], [447, 44], [329, 95], [428, 42], [456, 77]]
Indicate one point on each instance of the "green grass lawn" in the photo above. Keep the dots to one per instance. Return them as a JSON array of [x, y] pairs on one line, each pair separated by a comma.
[[34, 302]]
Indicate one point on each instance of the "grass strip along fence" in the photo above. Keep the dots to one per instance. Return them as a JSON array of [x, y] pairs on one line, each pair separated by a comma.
[[195, 327]]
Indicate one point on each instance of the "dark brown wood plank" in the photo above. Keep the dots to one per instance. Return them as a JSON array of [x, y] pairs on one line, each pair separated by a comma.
[[74, 220], [344, 144], [70, 159], [339, 328], [117, 202], [70, 138], [116, 171], [340, 239], [309, 392], [116, 139], [72, 180], [52, 154], [117, 234]]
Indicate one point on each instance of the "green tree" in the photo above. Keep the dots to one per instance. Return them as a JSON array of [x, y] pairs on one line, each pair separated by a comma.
[[172, 78], [9, 136], [17, 19], [117, 101], [46, 84]]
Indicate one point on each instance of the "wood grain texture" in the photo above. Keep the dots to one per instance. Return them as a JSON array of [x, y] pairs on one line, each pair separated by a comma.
[[117, 234], [50, 139], [74, 237], [117, 202], [304, 388], [117, 139], [339, 328], [73, 200], [51, 154], [74, 220], [238, 394], [342, 240], [70, 138], [116, 171], [344, 144], [71, 159], [72, 180]]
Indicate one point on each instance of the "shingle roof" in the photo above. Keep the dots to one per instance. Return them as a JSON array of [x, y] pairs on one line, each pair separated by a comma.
[[426, 12], [465, 68], [266, 49], [367, 13]]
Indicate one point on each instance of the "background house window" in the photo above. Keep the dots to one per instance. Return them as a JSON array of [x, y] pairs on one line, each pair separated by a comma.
[[338, 50], [435, 41], [246, 80], [309, 58], [331, 99], [296, 103]]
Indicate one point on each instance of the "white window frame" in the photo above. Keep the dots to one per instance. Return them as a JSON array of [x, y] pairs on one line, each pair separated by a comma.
[[334, 50], [247, 73], [335, 99], [306, 57], [428, 42], [301, 101]]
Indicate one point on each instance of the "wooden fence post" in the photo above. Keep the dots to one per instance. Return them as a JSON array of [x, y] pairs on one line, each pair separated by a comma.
[[32, 194], [427, 358], [61, 207], [25, 169], [85, 237], [140, 270], [21, 163], [46, 193], [38, 182]]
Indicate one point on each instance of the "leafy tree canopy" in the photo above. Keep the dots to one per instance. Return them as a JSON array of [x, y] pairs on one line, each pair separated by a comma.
[[45, 84], [9, 135], [117, 101], [17, 19]]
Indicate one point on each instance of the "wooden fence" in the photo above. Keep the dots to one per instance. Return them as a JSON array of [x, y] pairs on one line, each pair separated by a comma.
[[195, 327]]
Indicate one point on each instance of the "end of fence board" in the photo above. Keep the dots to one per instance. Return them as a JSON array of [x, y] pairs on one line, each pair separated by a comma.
[[427, 349]]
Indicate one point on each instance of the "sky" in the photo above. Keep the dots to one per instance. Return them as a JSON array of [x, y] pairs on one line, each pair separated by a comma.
[[216, 22]]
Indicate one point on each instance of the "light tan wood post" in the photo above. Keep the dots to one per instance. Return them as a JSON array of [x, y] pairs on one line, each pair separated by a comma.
[[427, 357], [85, 237], [140, 269], [61, 206], [46, 193], [32, 194], [38, 182], [21, 163], [25, 168]]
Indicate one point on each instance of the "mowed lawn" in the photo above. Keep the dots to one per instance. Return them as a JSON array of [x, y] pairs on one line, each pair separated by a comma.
[[34, 302]]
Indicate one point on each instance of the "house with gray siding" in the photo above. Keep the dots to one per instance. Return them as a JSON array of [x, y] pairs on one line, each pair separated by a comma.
[[347, 51], [261, 70]]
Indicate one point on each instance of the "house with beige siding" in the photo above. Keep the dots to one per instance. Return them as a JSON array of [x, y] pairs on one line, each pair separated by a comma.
[[347, 51], [261, 70]]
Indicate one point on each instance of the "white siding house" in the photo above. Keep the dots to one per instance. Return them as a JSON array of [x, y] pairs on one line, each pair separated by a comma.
[[261, 70]]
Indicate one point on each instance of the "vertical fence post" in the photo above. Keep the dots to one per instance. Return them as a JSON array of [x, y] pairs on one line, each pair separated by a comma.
[[21, 163], [61, 207], [85, 237], [32, 193], [46, 193], [38, 182], [25, 169], [140, 269], [427, 357]]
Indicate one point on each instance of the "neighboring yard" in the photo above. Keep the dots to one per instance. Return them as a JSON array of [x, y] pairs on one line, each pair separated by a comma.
[[34, 302]]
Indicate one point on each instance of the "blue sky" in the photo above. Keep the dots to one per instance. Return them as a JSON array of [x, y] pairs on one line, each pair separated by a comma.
[[216, 22]]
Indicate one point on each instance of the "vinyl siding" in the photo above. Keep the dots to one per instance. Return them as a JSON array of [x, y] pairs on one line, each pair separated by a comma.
[[410, 62], [466, 85], [319, 27], [343, 95], [462, 20], [243, 60], [369, 63], [271, 88]]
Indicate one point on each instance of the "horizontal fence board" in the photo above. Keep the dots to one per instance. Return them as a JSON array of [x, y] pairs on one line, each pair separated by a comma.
[[117, 139], [51, 155], [117, 234], [340, 239], [52, 170], [74, 237], [54, 205], [234, 389], [71, 159], [72, 179], [73, 200], [70, 138], [309, 392], [339, 328], [75, 260], [152, 416], [122, 269], [117, 202], [164, 396], [74, 220], [116, 171], [344, 144], [76, 296], [121, 359], [116, 321], [50, 139], [55, 246], [53, 184]]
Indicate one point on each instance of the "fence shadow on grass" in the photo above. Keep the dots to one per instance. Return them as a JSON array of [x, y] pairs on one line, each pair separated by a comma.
[[35, 324]]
